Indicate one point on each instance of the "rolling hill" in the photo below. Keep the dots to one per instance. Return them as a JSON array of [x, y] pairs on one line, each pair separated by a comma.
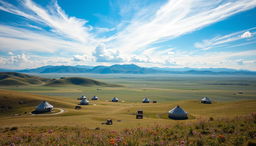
[[77, 81], [13, 78], [12, 102], [20, 79]]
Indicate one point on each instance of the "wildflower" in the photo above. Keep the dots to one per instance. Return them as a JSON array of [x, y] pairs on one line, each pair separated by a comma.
[[50, 131], [213, 135], [221, 138], [124, 142], [112, 141], [182, 143], [118, 139]]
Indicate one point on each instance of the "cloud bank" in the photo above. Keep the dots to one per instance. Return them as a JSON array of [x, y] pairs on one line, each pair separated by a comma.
[[51, 31]]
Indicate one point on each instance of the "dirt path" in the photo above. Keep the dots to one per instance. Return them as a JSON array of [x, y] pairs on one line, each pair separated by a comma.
[[60, 112]]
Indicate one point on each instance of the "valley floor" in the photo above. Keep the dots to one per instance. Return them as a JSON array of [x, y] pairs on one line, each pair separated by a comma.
[[230, 120]]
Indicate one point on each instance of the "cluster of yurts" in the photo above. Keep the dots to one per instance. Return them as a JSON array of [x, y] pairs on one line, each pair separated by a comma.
[[175, 113]]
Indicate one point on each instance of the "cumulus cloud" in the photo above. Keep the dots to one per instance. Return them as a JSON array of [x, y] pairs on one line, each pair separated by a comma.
[[246, 34], [10, 53], [102, 54], [16, 60]]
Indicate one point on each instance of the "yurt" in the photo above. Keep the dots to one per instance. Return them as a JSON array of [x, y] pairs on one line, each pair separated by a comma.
[[206, 100], [145, 100], [82, 97], [177, 113], [115, 99], [44, 107], [95, 98], [84, 102]]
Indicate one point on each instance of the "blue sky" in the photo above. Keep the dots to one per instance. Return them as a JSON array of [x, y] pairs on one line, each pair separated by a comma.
[[149, 33]]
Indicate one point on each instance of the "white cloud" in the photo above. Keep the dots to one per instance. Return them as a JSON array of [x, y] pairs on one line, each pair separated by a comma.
[[221, 41], [102, 54], [133, 39], [10, 53], [21, 61], [54, 17], [173, 19], [83, 58], [246, 34], [16, 38]]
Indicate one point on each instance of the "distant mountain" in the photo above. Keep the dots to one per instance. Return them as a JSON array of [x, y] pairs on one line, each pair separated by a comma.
[[20, 79], [126, 69], [131, 69], [56, 69]]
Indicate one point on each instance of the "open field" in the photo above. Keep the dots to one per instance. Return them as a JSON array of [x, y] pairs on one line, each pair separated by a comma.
[[157, 87], [168, 91]]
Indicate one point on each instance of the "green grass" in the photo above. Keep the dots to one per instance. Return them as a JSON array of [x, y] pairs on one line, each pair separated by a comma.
[[228, 112], [157, 87], [227, 131]]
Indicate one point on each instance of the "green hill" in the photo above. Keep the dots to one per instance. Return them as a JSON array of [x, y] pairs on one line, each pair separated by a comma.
[[76, 81], [19, 79], [12, 102], [14, 79]]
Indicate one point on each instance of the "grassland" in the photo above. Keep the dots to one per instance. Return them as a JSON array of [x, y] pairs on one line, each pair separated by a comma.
[[229, 110], [162, 88]]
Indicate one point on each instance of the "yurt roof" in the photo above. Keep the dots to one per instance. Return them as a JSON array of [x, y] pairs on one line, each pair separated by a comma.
[[82, 97], [206, 99], [44, 105], [115, 98], [177, 111], [84, 100], [146, 99]]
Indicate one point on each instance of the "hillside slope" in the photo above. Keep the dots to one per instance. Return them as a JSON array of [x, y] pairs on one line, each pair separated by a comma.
[[12, 102], [19, 79], [77, 81], [13, 78]]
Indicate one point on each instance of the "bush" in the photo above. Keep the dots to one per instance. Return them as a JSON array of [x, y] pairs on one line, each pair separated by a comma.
[[14, 129]]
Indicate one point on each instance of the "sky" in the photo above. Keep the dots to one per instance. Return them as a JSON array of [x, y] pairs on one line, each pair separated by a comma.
[[149, 33]]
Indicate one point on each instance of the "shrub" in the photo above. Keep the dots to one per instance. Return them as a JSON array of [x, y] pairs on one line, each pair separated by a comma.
[[238, 141], [221, 138], [14, 129]]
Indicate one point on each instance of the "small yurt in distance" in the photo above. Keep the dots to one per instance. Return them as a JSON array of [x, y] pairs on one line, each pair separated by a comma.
[[145, 100], [177, 113], [115, 99], [44, 107], [82, 97], [206, 100], [95, 98], [84, 102]]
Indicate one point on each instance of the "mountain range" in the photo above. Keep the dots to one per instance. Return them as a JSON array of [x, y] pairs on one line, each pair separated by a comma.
[[130, 69]]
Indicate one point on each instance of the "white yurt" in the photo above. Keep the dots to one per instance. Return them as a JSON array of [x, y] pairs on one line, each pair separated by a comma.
[[115, 99], [206, 100], [95, 98], [84, 102], [82, 97], [177, 113], [44, 107], [145, 100]]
